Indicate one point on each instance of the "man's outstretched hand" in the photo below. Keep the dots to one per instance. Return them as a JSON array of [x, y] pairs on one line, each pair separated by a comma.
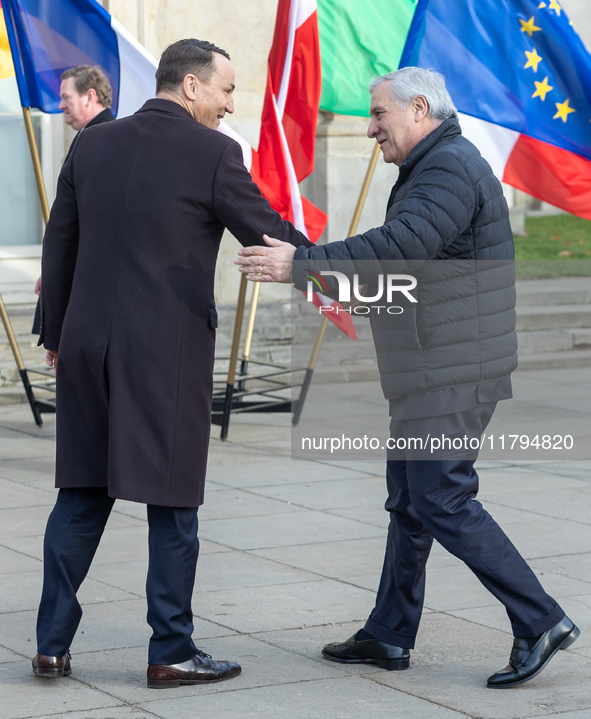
[[267, 264]]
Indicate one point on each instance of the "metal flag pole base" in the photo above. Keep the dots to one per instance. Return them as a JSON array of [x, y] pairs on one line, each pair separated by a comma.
[[252, 313], [254, 386], [233, 358], [37, 406], [309, 371], [324, 321]]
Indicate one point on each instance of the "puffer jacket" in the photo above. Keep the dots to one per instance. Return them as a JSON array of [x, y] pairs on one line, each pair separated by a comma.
[[447, 224]]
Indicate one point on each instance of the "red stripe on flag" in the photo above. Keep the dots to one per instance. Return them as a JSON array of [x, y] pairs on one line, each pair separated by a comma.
[[314, 218], [342, 319], [551, 174], [303, 97], [278, 51], [286, 145], [270, 168]]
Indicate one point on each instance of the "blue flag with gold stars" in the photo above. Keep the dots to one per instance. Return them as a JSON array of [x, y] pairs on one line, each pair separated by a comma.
[[517, 65]]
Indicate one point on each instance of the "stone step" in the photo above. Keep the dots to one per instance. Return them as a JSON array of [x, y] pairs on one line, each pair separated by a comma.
[[562, 291], [554, 360], [553, 318], [554, 340], [546, 360]]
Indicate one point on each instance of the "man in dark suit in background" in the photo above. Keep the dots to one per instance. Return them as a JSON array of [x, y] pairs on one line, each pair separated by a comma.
[[86, 95], [128, 306]]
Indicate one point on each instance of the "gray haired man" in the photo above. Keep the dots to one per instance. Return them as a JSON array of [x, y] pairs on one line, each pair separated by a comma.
[[444, 373]]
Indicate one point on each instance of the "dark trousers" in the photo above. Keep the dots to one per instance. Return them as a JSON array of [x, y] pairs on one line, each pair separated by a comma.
[[437, 499], [73, 533]]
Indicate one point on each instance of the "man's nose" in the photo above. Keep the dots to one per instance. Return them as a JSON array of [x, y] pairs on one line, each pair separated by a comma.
[[62, 105], [372, 130], [230, 106]]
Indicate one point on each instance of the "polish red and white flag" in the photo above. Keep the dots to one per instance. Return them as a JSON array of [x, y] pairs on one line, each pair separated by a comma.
[[288, 129]]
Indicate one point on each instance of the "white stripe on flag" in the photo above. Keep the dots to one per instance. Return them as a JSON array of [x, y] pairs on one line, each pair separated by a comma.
[[296, 199], [224, 128], [137, 68], [495, 143]]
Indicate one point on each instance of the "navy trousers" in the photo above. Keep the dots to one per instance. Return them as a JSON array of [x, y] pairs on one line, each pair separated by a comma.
[[73, 533], [437, 499]]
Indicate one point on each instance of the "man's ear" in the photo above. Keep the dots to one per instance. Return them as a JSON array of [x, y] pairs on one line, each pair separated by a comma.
[[190, 86], [421, 108]]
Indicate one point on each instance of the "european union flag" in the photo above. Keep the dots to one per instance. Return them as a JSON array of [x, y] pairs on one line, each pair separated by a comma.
[[516, 63], [54, 36]]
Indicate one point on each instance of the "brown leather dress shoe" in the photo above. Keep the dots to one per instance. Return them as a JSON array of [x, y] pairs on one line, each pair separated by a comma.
[[200, 669], [51, 667]]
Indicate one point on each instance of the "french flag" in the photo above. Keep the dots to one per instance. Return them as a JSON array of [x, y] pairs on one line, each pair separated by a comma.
[[48, 37], [521, 78]]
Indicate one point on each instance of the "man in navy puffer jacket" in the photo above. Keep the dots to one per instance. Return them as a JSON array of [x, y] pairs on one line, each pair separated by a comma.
[[444, 364]]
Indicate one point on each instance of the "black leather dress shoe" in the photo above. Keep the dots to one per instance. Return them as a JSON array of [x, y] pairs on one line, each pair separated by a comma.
[[51, 667], [368, 651], [525, 663], [200, 669]]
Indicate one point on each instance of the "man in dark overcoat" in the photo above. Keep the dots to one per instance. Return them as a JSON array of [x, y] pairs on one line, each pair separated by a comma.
[[128, 322], [444, 363]]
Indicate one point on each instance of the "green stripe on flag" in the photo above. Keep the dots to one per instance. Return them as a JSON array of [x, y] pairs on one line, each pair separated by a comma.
[[359, 39]]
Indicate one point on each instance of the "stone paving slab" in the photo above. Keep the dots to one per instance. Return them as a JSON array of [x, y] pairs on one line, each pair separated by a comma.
[[122, 673], [349, 698], [118, 712], [364, 491], [32, 471], [229, 503], [272, 472], [573, 505], [306, 527], [462, 687], [285, 605], [217, 572], [45, 697], [345, 559]]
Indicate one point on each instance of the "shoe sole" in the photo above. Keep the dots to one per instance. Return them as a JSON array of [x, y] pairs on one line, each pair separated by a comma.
[[171, 683], [48, 673], [566, 643], [389, 664]]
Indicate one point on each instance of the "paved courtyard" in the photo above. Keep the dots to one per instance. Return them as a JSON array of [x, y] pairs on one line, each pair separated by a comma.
[[291, 552]]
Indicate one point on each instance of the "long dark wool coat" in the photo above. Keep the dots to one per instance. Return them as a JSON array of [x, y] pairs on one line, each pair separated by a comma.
[[127, 298]]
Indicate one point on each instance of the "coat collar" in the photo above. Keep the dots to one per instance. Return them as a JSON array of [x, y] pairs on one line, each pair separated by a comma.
[[104, 116], [448, 128], [168, 107]]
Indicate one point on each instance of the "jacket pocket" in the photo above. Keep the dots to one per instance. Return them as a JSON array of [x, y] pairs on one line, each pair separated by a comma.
[[212, 320]]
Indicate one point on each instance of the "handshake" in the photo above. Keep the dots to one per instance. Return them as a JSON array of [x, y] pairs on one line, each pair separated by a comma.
[[272, 263]]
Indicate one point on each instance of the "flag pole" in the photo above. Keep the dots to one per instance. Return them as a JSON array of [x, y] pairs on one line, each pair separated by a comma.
[[324, 321], [248, 333], [36, 163], [233, 357]]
